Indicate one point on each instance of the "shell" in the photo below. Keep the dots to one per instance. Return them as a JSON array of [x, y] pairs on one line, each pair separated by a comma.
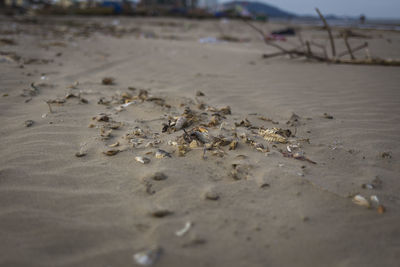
[[114, 145], [233, 145], [180, 123], [381, 209], [270, 135], [111, 152], [375, 199], [162, 154], [29, 123], [148, 257], [142, 160], [184, 230], [362, 201], [194, 144]]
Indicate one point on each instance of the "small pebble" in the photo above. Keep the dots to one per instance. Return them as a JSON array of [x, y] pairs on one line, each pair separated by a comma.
[[381, 209], [161, 213], [159, 176], [80, 154], [29, 123], [211, 195]]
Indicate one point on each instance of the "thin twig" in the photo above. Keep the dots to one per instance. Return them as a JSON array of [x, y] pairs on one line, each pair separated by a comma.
[[48, 103], [348, 46], [328, 29], [322, 47], [308, 48], [353, 49]]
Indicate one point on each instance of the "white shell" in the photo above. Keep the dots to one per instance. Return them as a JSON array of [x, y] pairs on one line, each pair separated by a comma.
[[148, 257], [184, 230], [180, 122], [375, 199], [142, 160], [362, 201]]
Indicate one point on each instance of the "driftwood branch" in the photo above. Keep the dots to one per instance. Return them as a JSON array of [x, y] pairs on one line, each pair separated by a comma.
[[355, 49], [304, 49], [346, 42], [328, 29]]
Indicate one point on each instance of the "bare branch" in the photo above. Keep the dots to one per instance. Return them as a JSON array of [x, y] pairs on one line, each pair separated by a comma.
[[328, 29], [353, 49], [348, 46]]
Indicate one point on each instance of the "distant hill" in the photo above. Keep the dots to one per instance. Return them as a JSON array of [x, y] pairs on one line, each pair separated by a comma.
[[261, 8]]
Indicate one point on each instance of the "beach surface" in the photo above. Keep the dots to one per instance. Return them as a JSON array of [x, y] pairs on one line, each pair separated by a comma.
[[65, 202]]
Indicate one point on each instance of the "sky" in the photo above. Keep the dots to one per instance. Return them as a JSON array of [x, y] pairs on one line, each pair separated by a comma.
[[370, 8]]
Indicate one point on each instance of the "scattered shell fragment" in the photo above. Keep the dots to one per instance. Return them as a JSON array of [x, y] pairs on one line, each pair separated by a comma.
[[148, 257], [29, 123], [362, 201], [381, 209], [107, 80], [368, 186], [271, 135], [327, 116], [233, 145], [180, 123], [386, 155], [142, 160], [225, 110], [199, 93], [211, 195], [101, 117], [374, 199], [114, 145], [159, 176], [194, 144], [162, 154], [111, 152], [80, 154], [184, 230], [160, 213]]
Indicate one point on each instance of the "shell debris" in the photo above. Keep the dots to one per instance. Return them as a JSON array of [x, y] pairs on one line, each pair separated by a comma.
[[148, 257], [361, 201], [184, 230], [142, 160], [271, 135], [162, 154], [111, 152]]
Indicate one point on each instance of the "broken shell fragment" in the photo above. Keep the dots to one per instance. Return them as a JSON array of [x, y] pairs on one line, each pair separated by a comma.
[[199, 93], [211, 195], [102, 117], [148, 257], [142, 160], [80, 154], [114, 145], [159, 176], [362, 201], [29, 123], [381, 209], [180, 123], [162, 154], [374, 199], [225, 110], [184, 230], [107, 80], [194, 144], [161, 213], [233, 145], [271, 135], [111, 152]]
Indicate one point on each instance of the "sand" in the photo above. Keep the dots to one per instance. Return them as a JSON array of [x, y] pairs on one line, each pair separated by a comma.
[[61, 210]]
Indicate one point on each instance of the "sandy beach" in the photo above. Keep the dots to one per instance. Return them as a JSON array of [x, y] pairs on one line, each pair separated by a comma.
[[73, 189]]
